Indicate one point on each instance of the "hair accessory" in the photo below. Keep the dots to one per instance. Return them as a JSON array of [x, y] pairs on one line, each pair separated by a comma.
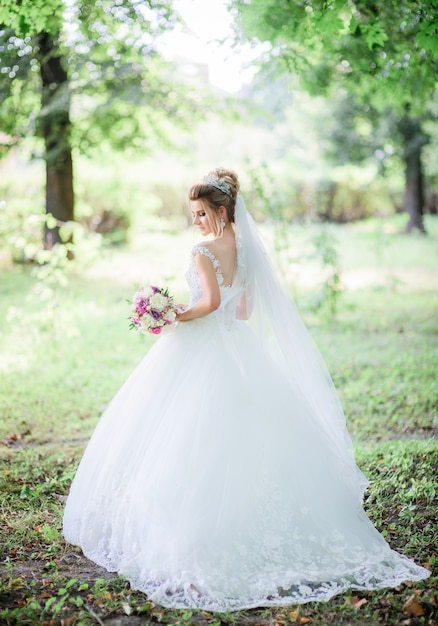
[[219, 183]]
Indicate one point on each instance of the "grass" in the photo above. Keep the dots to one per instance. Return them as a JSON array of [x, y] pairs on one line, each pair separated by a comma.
[[64, 351]]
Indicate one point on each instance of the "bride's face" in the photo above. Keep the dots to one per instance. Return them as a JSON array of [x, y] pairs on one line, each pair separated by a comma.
[[200, 217]]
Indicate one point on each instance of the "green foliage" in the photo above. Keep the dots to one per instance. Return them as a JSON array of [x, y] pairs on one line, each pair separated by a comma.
[[119, 91], [403, 492], [350, 192], [28, 17], [336, 154], [384, 51], [380, 53], [114, 199], [327, 250]]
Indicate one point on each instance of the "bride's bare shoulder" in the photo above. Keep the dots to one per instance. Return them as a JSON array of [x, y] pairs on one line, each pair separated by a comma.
[[222, 246]]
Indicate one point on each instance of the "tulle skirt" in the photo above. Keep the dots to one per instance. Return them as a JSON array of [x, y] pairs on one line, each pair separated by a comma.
[[208, 484]]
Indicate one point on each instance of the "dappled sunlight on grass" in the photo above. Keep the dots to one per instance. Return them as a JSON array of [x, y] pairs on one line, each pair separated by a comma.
[[405, 279], [73, 351], [14, 362], [368, 256]]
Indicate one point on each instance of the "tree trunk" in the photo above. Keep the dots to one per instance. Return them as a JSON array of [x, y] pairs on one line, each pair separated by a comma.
[[55, 127], [414, 140]]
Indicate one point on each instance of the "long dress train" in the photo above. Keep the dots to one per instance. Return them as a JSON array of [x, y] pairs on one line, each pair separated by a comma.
[[209, 482]]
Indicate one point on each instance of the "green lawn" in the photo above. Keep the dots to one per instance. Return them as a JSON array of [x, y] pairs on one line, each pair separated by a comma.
[[65, 349]]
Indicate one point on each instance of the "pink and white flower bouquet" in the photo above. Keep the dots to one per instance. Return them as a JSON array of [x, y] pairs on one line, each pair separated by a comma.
[[152, 308]]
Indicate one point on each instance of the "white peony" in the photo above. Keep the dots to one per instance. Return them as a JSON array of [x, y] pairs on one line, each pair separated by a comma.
[[147, 320], [158, 302], [145, 292], [170, 316]]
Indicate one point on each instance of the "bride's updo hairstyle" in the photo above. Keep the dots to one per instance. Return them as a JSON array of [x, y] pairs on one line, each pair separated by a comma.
[[219, 188]]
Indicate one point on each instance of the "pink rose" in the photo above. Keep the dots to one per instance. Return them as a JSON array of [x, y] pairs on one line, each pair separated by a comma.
[[156, 331]]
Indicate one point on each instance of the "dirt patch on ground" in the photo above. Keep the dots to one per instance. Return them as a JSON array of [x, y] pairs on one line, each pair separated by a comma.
[[69, 565]]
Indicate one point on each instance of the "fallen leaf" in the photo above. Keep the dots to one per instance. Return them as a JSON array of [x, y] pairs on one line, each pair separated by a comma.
[[10, 439], [412, 607], [357, 602], [69, 621], [208, 616], [428, 564], [126, 608], [158, 614], [385, 602], [299, 619]]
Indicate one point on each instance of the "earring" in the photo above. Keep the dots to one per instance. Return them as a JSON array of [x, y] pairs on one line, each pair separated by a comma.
[[222, 223]]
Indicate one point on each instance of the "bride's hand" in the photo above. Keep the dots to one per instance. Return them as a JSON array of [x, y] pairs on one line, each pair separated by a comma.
[[181, 308]]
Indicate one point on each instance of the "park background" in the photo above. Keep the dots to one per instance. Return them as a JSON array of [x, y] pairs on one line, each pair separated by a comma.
[[327, 111]]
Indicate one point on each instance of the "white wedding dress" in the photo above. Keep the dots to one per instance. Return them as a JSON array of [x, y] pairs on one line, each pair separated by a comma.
[[210, 483]]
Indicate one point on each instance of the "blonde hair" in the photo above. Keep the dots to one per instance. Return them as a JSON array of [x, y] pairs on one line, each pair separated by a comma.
[[212, 198]]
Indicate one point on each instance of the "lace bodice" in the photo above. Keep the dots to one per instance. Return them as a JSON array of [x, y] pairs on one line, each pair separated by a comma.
[[229, 301]]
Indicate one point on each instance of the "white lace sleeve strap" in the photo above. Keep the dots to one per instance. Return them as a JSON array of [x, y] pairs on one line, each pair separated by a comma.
[[200, 249]]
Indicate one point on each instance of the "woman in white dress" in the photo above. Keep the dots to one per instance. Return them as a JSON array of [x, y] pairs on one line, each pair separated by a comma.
[[221, 476]]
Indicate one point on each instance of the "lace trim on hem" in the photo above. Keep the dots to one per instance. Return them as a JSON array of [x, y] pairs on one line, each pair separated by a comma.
[[188, 593]]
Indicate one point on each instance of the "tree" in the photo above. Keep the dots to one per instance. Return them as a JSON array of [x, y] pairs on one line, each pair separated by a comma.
[[383, 52], [84, 74]]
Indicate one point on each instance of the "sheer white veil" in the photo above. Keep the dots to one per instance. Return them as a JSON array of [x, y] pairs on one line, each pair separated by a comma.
[[275, 319]]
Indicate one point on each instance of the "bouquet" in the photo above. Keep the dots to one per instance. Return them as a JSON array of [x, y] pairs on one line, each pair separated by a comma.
[[152, 308]]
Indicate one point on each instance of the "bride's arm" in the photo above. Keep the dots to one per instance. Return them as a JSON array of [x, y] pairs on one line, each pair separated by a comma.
[[211, 297], [242, 312]]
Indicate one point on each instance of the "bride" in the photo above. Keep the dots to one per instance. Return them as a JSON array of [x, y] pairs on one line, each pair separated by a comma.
[[221, 476]]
